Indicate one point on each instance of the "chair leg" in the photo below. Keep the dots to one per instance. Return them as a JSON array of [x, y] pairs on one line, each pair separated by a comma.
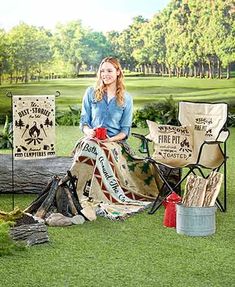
[[161, 196], [219, 205], [225, 179], [158, 202]]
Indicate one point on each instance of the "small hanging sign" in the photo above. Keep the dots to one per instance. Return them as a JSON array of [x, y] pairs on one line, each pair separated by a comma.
[[33, 127]]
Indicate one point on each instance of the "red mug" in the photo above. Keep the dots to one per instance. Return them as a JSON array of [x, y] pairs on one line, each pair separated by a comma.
[[101, 133]]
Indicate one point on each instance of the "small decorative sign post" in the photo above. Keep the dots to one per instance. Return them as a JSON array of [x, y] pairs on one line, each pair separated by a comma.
[[33, 127]]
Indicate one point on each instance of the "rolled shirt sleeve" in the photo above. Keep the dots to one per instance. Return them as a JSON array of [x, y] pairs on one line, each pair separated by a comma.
[[86, 109], [126, 120]]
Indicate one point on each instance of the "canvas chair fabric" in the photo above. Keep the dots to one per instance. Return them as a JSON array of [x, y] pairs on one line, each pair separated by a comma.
[[207, 121], [196, 144], [196, 141], [173, 145]]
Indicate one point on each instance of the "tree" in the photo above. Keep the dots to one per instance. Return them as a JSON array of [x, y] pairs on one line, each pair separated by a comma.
[[69, 42], [97, 47], [154, 47], [3, 53], [29, 47], [137, 42], [224, 33], [113, 38]]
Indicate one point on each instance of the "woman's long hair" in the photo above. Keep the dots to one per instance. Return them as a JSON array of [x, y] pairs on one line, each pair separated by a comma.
[[101, 88]]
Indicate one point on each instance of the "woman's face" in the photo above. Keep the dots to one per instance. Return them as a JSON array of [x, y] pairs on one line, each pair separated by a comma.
[[108, 73]]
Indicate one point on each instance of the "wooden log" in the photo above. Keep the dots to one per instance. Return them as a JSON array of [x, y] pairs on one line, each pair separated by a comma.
[[30, 233], [31, 176], [71, 204], [33, 207], [195, 189], [62, 201], [213, 187], [48, 202]]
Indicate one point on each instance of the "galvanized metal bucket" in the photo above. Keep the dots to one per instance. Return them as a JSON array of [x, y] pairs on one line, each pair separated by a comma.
[[195, 221]]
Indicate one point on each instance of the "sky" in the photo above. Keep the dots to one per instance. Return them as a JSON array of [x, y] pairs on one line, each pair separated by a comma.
[[99, 15]]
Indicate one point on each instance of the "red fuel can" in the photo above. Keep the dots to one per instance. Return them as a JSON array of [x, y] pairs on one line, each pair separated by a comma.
[[170, 209]]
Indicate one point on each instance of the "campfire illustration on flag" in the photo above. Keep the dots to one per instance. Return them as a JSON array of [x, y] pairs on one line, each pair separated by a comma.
[[33, 127]]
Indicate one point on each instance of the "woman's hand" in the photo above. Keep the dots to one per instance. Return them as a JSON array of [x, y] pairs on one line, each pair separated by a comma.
[[108, 139], [118, 137], [89, 132]]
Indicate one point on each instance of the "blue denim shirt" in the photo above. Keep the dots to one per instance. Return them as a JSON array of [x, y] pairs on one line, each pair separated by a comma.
[[103, 114]]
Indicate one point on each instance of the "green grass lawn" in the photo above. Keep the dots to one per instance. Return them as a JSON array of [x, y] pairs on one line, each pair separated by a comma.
[[139, 251], [143, 89]]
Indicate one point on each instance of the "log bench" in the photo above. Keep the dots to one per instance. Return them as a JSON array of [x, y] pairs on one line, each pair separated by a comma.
[[30, 176]]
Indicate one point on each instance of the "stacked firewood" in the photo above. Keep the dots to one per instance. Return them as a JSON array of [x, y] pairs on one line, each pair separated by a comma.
[[56, 196], [201, 191], [58, 203]]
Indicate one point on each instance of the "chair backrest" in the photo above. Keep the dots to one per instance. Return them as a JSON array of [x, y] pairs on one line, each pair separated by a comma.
[[207, 121]]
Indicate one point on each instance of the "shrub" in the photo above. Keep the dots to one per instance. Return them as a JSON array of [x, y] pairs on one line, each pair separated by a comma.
[[231, 120], [163, 112], [6, 135], [69, 118], [7, 245]]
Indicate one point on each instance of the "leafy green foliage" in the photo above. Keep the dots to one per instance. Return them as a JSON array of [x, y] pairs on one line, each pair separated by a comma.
[[231, 120], [7, 245], [6, 135], [164, 112], [188, 38], [69, 118], [29, 48]]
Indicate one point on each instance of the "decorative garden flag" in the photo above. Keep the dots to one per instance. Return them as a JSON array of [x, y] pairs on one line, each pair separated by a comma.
[[33, 127]]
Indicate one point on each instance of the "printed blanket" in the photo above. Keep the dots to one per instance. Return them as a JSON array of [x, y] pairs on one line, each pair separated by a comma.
[[111, 180]]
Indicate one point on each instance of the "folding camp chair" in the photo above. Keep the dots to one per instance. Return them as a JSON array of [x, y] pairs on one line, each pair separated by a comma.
[[197, 145]]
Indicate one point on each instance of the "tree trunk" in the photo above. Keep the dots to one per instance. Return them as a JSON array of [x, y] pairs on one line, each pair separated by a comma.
[[143, 69], [218, 69], [195, 71], [147, 69], [212, 70], [77, 68], [209, 70], [26, 75], [11, 78], [228, 72], [30, 176], [169, 72], [153, 69], [202, 71], [39, 76]]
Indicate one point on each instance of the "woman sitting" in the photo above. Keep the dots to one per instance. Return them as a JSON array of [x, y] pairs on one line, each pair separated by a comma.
[[111, 179]]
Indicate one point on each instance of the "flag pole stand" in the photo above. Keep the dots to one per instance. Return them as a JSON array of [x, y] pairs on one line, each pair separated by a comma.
[[9, 94]]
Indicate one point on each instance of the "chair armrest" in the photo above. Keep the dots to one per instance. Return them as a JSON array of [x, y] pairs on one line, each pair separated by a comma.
[[223, 136], [144, 143], [139, 136], [214, 142]]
